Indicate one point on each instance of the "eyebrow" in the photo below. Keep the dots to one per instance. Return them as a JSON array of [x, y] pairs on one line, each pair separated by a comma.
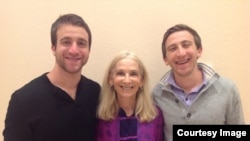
[[67, 38], [132, 70], [184, 41]]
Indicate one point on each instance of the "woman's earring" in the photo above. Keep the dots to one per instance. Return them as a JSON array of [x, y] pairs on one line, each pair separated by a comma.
[[112, 87], [141, 87]]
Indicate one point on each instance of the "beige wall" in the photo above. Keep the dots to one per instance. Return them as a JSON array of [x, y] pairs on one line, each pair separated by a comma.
[[135, 25]]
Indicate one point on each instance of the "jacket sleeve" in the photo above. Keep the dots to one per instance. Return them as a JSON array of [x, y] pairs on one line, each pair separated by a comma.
[[16, 126], [234, 108]]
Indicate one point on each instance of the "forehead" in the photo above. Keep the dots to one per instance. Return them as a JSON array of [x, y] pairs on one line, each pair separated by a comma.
[[179, 36], [127, 63], [67, 30]]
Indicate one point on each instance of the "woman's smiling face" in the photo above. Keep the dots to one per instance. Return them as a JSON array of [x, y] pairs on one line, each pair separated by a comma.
[[126, 78]]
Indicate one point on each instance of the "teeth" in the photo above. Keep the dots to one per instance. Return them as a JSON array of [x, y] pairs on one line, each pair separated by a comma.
[[182, 62], [127, 88]]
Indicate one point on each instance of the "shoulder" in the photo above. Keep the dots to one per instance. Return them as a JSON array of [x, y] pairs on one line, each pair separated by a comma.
[[35, 85], [89, 86], [159, 116], [223, 82], [223, 87], [226, 81], [159, 111], [35, 90], [214, 77], [89, 82]]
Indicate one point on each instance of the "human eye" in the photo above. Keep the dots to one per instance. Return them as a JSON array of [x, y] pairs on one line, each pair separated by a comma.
[[186, 44], [65, 42], [119, 73], [171, 48], [134, 73], [82, 44]]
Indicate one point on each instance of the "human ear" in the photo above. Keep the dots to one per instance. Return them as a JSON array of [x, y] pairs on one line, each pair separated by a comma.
[[110, 81], [199, 52], [165, 59], [53, 49]]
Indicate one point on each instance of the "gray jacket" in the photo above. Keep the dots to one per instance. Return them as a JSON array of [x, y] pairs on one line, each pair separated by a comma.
[[218, 102]]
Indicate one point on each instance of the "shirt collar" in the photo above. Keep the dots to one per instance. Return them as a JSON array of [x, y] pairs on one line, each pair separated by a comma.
[[170, 80]]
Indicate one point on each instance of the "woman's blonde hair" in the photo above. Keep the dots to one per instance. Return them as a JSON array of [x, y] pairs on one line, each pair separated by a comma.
[[108, 108]]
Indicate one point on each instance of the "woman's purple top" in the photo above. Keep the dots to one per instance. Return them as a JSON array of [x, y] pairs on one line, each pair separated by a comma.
[[125, 128]]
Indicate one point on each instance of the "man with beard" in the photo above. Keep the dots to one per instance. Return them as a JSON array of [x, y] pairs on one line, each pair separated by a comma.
[[59, 105]]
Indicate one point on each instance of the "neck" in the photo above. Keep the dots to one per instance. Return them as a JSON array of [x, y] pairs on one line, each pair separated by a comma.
[[187, 83], [64, 80], [128, 105]]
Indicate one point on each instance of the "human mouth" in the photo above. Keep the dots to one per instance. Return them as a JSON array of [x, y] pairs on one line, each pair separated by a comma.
[[181, 62], [73, 59], [126, 87]]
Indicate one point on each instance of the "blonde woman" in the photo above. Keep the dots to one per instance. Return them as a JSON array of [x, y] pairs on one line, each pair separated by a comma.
[[126, 111]]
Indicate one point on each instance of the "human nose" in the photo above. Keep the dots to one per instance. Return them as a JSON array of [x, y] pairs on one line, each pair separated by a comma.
[[127, 79], [73, 48], [180, 51]]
